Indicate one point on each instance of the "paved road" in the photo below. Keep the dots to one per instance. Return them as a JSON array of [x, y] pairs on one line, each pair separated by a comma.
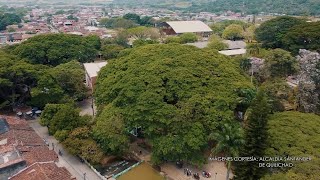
[[73, 164], [86, 107]]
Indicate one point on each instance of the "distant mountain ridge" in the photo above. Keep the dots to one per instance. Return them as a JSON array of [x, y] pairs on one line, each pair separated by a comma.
[[290, 7]]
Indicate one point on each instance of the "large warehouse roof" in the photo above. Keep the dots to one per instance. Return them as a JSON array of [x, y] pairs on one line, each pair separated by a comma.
[[189, 26]]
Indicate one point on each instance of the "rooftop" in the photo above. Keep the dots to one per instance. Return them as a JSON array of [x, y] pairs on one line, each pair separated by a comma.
[[189, 26], [43, 171], [93, 69], [233, 52], [25, 155]]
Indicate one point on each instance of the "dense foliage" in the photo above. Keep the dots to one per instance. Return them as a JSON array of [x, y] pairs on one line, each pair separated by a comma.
[[58, 83], [255, 139], [279, 63], [80, 143], [110, 51], [182, 39], [8, 19], [303, 36], [272, 32], [295, 134], [117, 23], [55, 49], [294, 7], [63, 121], [215, 42], [230, 139], [177, 94], [17, 77], [59, 117], [219, 27], [233, 32]]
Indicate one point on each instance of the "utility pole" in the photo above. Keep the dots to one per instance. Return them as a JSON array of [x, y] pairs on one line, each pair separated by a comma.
[[92, 106]]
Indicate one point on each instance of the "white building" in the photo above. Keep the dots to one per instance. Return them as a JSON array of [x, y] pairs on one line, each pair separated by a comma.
[[92, 70]]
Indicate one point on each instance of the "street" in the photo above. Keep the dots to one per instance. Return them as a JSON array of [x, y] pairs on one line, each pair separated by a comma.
[[78, 169]]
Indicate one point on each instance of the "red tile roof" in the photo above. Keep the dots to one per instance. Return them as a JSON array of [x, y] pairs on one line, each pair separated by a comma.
[[37, 154], [33, 150], [43, 171]]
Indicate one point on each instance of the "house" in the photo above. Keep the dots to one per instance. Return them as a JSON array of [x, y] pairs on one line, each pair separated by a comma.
[[25, 155], [14, 38], [43, 171], [92, 70], [3, 40], [180, 27]]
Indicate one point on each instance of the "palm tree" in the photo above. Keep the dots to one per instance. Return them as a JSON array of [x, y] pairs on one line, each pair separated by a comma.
[[230, 140]]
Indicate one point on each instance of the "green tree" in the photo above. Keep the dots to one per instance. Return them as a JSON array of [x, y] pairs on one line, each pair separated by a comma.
[[142, 42], [69, 77], [280, 63], [219, 27], [142, 32], [147, 21], [255, 139], [177, 94], [17, 78], [111, 51], [59, 84], [80, 143], [229, 139], [59, 117], [272, 32], [294, 134], [188, 38], [117, 23], [233, 32], [55, 49], [8, 19], [249, 33], [302, 36], [133, 17], [47, 91], [215, 42], [173, 39], [111, 133], [71, 17]]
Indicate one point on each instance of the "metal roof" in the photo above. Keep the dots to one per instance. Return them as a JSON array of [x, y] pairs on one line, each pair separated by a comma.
[[189, 26], [233, 52], [93, 68]]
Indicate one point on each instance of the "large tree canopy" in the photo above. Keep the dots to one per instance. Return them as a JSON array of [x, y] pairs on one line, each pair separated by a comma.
[[55, 49], [303, 36], [64, 80], [177, 94], [8, 19], [17, 77], [272, 32], [295, 134]]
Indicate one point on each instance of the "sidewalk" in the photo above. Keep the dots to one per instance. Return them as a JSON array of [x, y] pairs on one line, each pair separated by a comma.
[[73, 164]]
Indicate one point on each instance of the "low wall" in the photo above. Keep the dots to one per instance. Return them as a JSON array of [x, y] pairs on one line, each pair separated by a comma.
[[126, 170], [95, 171]]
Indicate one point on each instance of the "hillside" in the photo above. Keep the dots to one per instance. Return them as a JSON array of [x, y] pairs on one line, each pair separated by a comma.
[[291, 7]]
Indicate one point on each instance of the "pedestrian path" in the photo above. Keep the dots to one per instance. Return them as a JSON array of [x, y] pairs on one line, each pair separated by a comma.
[[78, 169]]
